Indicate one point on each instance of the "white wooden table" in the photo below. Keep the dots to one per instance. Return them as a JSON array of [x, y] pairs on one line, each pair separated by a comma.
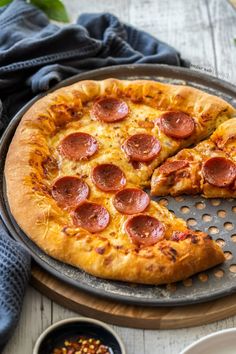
[[203, 30]]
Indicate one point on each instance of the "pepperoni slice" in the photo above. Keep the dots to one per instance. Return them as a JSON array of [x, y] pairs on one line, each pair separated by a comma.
[[110, 110], [170, 167], [131, 201], [177, 124], [108, 177], [91, 217], [219, 171], [69, 191], [142, 147], [78, 146], [145, 230]]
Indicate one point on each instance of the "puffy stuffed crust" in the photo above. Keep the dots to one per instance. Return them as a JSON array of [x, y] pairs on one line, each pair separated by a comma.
[[190, 179], [34, 162]]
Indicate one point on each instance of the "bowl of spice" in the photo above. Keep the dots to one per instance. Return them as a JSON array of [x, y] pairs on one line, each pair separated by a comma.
[[79, 335]]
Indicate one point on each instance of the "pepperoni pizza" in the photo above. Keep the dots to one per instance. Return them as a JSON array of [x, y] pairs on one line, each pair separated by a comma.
[[76, 169], [209, 168]]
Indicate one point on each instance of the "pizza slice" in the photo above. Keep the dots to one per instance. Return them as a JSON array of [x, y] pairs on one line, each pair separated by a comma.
[[208, 169], [163, 119]]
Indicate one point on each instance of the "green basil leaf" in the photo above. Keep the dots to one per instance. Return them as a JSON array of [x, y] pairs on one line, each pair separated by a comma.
[[5, 2], [54, 9]]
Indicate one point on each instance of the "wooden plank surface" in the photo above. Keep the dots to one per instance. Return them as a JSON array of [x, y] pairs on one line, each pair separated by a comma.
[[182, 24], [203, 31], [223, 18]]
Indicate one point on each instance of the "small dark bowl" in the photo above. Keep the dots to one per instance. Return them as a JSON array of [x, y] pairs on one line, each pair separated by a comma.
[[70, 329]]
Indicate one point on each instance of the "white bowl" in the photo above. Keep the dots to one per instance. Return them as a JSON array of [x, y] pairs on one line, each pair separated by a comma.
[[53, 333], [222, 342]]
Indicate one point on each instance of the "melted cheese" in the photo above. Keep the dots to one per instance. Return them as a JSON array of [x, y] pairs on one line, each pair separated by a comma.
[[110, 137]]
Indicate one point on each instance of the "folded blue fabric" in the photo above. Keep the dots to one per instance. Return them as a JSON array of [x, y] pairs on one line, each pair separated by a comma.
[[36, 54], [14, 275]]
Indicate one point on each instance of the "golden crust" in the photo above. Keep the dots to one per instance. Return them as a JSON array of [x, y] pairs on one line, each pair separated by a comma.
[[190, 179], [33, 163]]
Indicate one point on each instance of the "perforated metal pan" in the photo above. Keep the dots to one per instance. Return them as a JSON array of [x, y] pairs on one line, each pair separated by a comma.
[[217, 217]]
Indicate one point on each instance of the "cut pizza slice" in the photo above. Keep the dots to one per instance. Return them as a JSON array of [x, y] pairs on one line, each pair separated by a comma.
[[208, 169]]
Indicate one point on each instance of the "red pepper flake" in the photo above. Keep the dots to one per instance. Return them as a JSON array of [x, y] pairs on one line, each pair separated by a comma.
[[83, 346]]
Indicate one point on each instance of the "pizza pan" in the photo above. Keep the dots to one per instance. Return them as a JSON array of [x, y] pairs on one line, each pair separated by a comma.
[[216, 217]]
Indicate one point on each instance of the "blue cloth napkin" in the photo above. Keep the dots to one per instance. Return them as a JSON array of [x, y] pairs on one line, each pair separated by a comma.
[[35, 55], [14, 275]]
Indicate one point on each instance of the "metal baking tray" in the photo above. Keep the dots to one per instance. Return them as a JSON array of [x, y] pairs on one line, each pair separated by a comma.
[[216, 217]]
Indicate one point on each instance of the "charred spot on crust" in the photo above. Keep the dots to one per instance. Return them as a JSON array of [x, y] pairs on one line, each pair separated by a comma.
[[188, 234], [136, 164], [100, 250], [34, 176], [42, 118], [66, 230], [34, 163], [118, 247], [74, 113], [37, 185], [208, 237], [180, 236], [108, 260], [150, 268], [49, 165], [183, 235], [206, 117], [40, 187], [137, 99], [38, 152], [173, 251], [194, 238], [169, 252], [161, 268], [182, 174]]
